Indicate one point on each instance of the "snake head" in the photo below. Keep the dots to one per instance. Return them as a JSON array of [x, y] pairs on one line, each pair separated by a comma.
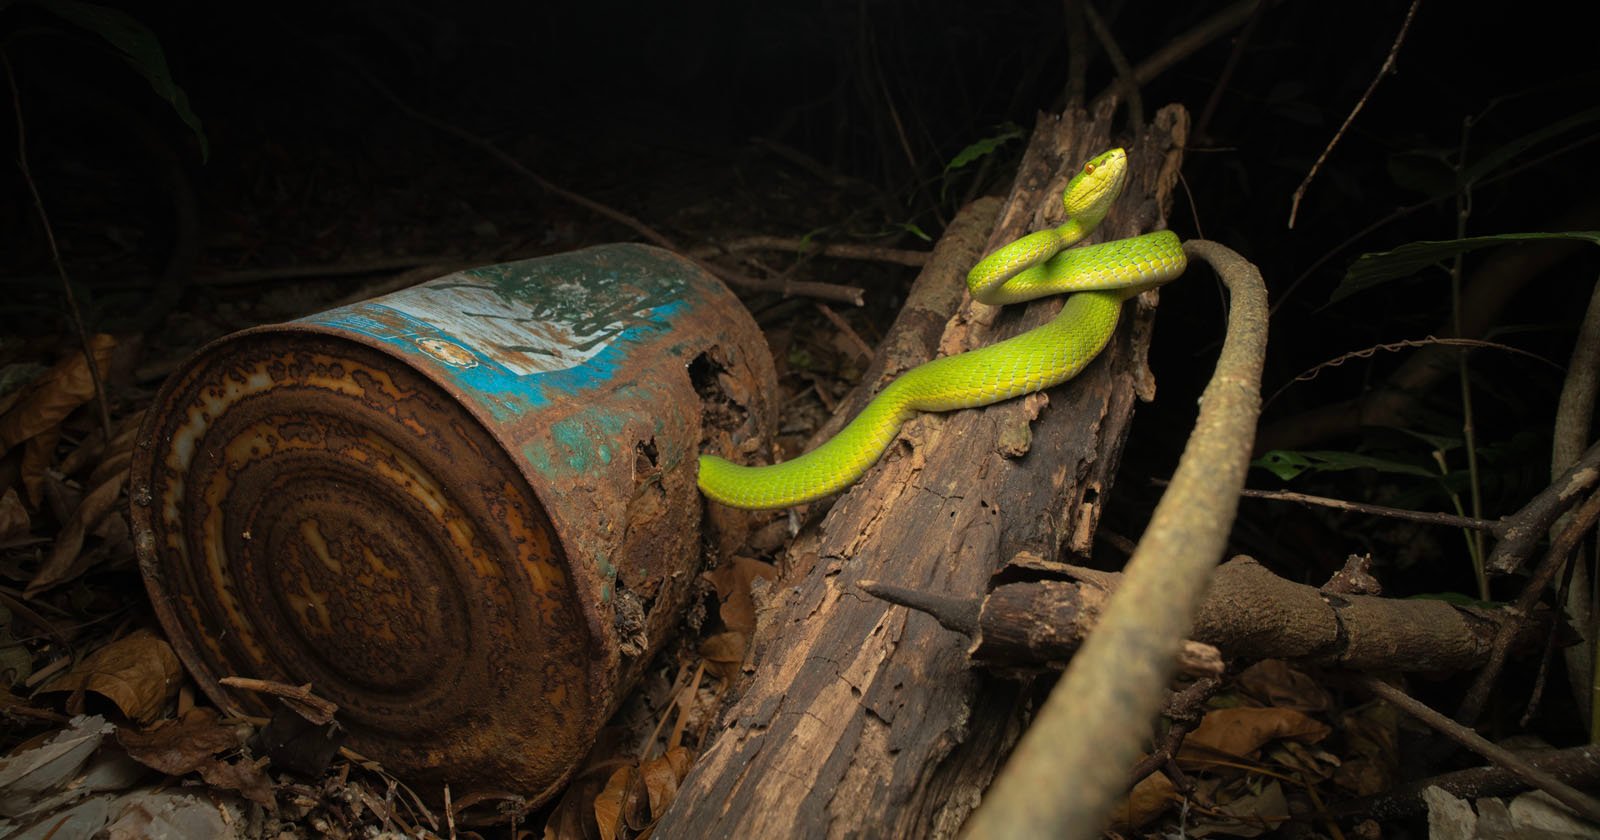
[[1090, 192]]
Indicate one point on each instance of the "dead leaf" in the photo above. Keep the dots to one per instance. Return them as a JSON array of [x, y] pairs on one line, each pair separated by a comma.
[[661, 778], [192, 744], [34, 469], [61, 565], [609, 802], [14, 521], [247, 777], [1240, 732], [733, 581], [1309, 763], [139, 673], [1372, 749], [182, 746], [54, 395], [94, 451], [1256, 812], [1275, 682], [14, 379], [1148, 799], [724, 654]]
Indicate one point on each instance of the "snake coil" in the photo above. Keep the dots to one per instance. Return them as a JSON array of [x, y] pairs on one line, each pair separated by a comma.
[[1097, 278]]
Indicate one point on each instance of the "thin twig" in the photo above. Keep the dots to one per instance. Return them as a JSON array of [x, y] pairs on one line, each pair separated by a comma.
[[905, 143], [55, 253], [1077, 56], [1530, 524], [811, 247], [1396, 346], [1225, 78], [862, 348], [344, 268], [824, 291], [1126, 84], [1561, 547], [1402, 212], [1384, 70], [1566, 794], [1185, 709], [1577, 765], [1448, 520], [1185, 45]]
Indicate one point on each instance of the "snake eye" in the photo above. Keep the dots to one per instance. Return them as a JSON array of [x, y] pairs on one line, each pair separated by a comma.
[[1088, 169]]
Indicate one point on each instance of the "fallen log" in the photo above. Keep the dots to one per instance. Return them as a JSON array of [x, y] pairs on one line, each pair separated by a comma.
[[864, 718]]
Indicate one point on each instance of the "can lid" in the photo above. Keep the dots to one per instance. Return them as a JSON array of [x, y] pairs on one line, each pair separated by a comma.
[[308, 510]]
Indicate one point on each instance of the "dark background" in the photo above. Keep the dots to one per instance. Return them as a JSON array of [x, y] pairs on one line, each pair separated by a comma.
[[835, 120], [710, 121]]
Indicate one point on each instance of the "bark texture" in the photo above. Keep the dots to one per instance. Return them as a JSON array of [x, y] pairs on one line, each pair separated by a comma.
[[865, 719]]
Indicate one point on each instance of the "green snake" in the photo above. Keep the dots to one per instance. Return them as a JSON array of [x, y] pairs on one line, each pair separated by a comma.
[[1100, 277]]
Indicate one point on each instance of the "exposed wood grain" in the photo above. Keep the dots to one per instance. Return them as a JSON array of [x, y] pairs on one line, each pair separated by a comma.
[[865, 719]]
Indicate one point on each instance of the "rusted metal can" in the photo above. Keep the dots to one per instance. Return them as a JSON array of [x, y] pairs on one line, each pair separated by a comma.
[[464, 512]]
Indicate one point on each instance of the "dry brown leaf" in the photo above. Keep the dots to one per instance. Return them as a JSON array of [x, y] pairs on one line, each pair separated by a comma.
[[573, 817], [732, 582], [1144, 803], [1275, 682], [14, 521], [61, 565], [609, 802], [1255, 812], [247, 777], [181, 746], [681, 760], [55, 394], [191, 744], [95, 452], [139, 673], [724, 654], [661, 778], [1241, 731], [34, 468], [1372, 749]]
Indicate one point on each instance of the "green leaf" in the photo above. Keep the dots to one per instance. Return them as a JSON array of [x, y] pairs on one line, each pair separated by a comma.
[[1374, 269], [1288, 465], [1442, 443], [138, 46], [1426, 172], [984, 147], [1456, 599], [1514, 149]]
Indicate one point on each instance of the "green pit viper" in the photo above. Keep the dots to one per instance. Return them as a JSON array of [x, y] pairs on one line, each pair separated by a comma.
[[1099, 278]]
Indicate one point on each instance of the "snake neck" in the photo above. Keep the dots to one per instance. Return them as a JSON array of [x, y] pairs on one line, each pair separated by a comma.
[[1078, 227]]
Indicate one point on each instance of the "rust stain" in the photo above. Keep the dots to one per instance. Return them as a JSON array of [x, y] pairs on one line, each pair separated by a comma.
[[389, 510]]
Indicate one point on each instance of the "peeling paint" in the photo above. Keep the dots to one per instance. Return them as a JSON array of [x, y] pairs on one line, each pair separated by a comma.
[[429, 505]]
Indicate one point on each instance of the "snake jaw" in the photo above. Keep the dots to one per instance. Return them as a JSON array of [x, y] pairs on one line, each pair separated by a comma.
[[1090, 193]]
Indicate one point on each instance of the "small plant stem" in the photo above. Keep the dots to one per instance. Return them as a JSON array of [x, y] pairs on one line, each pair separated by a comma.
[[1475, 543], [55, 254]]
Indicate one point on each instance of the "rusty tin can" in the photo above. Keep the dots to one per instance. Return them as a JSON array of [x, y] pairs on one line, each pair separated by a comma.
[[464, 512]]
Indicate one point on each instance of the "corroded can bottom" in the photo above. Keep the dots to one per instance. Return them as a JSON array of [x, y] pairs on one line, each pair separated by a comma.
[[325, 511], [464, 512]]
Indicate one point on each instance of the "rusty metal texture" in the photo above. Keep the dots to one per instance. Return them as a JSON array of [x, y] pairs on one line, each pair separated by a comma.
[[464, 512]]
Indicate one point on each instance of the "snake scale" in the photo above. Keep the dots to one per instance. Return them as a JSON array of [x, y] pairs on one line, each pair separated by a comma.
[[1097, 278]]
